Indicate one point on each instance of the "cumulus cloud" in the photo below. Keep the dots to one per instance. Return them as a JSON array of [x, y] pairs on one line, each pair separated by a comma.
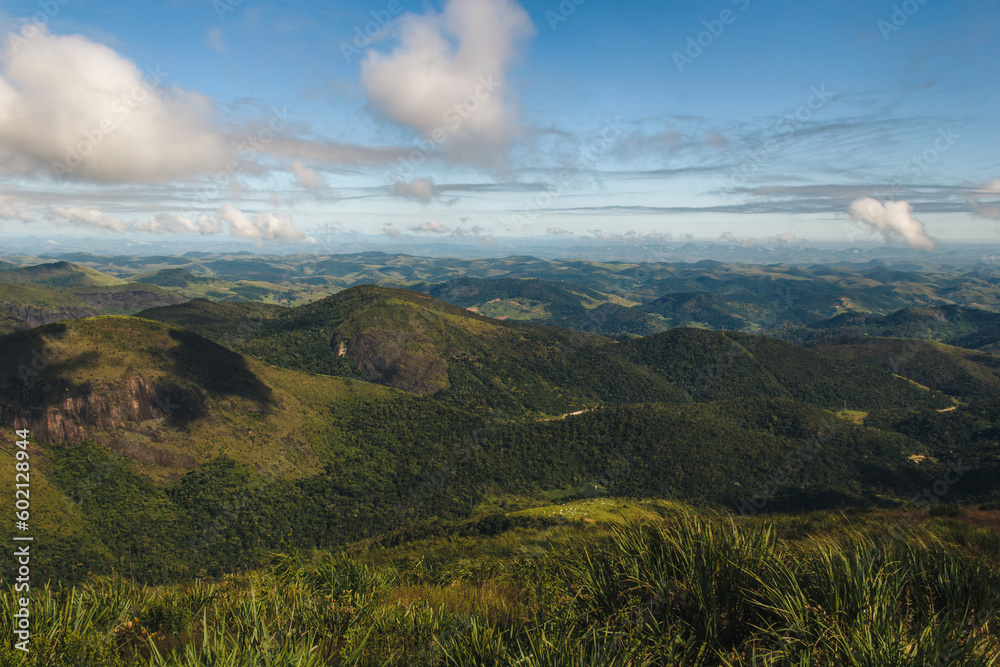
[[734, 240], [783, 239], [557, 231], [632, 236], [262, 226], [420, 188], [170, 223], [446, 78], [306, 177], [12, 211], [431, 227], [87, 218], [892, 219], [390, 231], [73, 108]]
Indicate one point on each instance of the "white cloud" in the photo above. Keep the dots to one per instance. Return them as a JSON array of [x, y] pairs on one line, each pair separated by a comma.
[[87, 218], [431, 227], [732, 238], [390, 231], [170, 223], [446, 78], [557, 230], [306, 177], [263, 226], [420, 188], [892, 219], [14, 211], [783, 239], [73, 108], [631, 236], [985, 201]]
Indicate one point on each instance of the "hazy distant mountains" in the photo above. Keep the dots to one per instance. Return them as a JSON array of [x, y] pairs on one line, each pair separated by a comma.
[[610, 298]]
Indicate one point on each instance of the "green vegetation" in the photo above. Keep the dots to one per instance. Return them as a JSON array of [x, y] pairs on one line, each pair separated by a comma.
[[384, 477], [608, 298], [664, 586], [36, 295]]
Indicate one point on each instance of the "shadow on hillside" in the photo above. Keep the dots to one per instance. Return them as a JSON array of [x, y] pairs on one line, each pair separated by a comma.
[[216, 369], [32, 375]]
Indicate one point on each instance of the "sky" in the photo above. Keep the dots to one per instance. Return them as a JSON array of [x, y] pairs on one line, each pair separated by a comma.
[[275, 121]]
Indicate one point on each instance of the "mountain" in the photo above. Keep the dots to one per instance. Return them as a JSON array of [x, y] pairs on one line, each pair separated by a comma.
[[174, 453], [35, 295], [26, 306], [965, 374], [701, 308], [972, 328], [160, 453], [608, 298], [158, 394], [414, 342], [555, 303], [59, 274], [712, 365]]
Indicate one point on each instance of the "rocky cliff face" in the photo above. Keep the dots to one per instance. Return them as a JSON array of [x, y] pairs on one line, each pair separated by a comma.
[[35, 317], [82, 413]]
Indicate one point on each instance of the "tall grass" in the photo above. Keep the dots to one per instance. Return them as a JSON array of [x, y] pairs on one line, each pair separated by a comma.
[[690, 589]]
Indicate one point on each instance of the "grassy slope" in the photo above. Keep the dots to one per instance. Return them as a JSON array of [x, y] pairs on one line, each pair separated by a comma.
[[60, 274], [615, 584]]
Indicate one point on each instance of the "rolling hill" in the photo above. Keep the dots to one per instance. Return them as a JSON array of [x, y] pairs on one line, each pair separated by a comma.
[[174, 453], [410, 341], [35, 295], [657, 295], [967, 375], [218, 432], [961, 326]]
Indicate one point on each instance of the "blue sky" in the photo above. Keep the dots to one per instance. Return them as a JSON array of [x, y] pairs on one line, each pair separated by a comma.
[[777, 122]]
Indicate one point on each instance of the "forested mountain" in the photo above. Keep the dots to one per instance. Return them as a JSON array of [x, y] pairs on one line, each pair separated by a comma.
[[204, 434], [181, 452], [971, 328], [413, 342]]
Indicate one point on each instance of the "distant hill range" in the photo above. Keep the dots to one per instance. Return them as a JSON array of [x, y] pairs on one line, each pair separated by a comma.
[[610, 298], [35, 295], [971, 328]]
